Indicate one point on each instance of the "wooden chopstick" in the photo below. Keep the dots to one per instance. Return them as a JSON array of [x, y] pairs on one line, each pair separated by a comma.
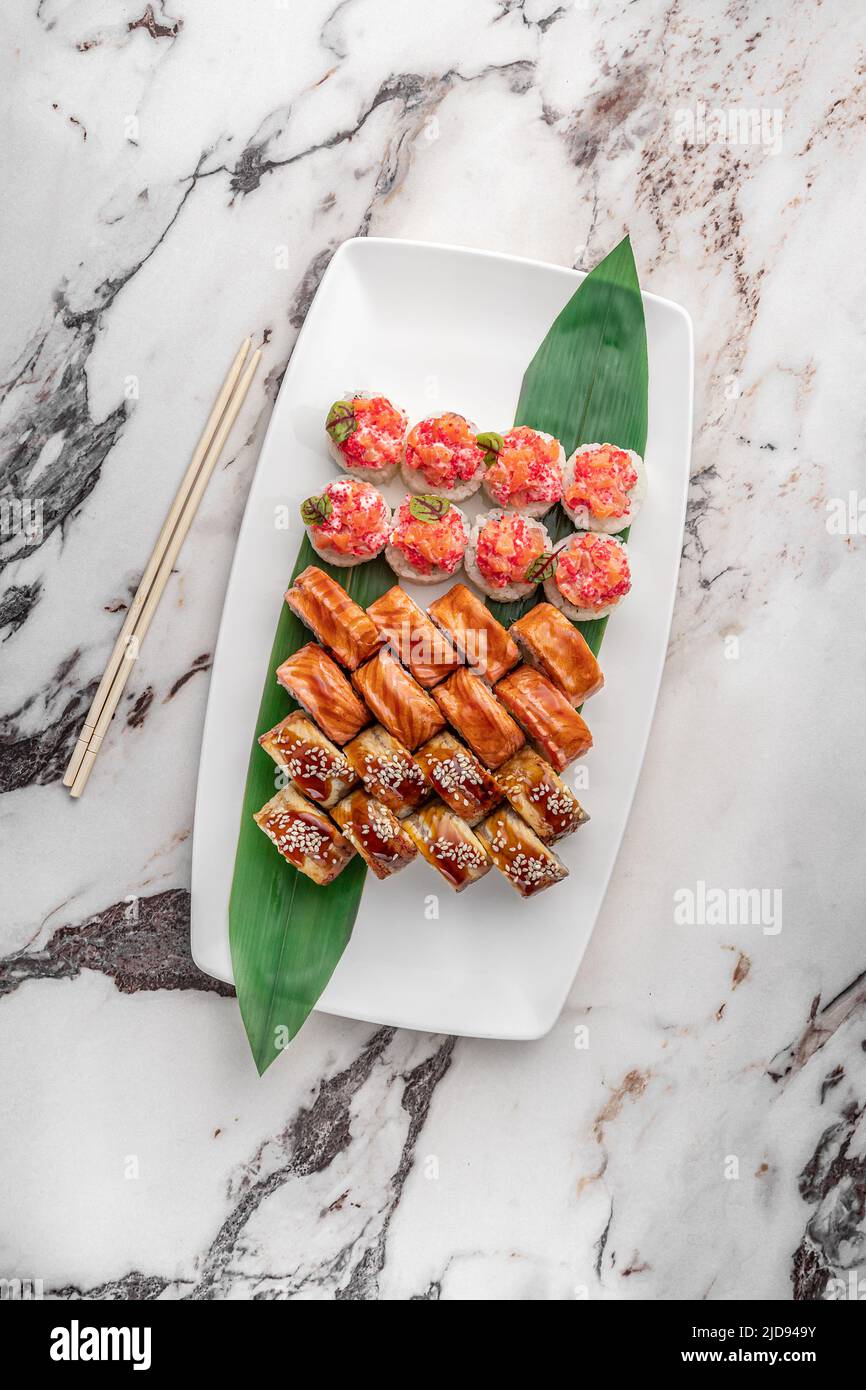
[[165, 566], [147, 578]]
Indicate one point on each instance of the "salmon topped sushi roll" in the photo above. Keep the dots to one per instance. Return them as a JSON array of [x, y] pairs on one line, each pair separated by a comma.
[[365, 435], [427, 540], [508, 555], [591, 577], [348, 523], [603, 487], [441, 456], [524, 469]]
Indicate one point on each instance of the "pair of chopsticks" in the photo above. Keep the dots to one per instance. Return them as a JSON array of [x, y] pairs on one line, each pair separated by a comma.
[[159, 567]]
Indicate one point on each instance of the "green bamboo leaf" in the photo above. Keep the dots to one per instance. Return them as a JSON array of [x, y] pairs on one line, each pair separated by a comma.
[[588, 383], [287, 933]]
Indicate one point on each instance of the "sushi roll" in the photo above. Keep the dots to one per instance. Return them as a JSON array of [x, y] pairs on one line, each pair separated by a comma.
[[553, 645], [397, 701], [339, 623], [552, 725], [314, 765], [508, 555], [427, 539], [447, 842], [474, 711], [518, 853], [375, 833], [347, 523], [540, 796], [603, 487], [481, 641], [441, 457], [463, 783], [365, 436], [388, 770], [591, 577], [524, 470], [412, 638], [304, 836], [320, 688]]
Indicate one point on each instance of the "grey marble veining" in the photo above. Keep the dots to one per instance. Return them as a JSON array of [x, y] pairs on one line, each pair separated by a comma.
[[176, 176]]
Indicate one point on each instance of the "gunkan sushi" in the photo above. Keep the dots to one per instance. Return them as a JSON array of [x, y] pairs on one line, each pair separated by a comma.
[[508, 555], [591, 577], [524, 470], [440, 456], [603, 487], [427, 540], [365, 436], [348, 522]]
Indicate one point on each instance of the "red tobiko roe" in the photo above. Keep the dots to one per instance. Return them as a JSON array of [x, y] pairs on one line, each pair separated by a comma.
[[429, 545], [526, 468], [377, 439], [443, 448], [507, 546], [357, 523], [602, 481], [593, 571]]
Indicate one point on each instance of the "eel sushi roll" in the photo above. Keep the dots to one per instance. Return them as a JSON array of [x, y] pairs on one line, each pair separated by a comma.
[[591, 577], [553, 645], [518, 853], [365, 436], [316, 767], [388, 770], [304, 836], [507, 554], [375, 833], [348, 523], [603, 487], [540, 796], [524, 470], [441, 457], [448, 843], [463, 783], [427, 540]]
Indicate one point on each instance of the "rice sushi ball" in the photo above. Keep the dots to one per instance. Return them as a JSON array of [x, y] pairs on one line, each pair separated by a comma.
[[441, 457], [591, 576], [428, 539], [508, 554], [524, 470], [603, 487], [347, 523], [365, 436]]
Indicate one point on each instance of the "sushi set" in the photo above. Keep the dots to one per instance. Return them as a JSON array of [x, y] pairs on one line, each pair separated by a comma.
[[373, 762]]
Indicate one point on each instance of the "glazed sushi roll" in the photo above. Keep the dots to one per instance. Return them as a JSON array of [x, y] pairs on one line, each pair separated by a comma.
[[315, 766], [320, 688], [339, 623], [481, 641], [603, 487], [388, 770], [375, 833], [463, 783], [540, 796], [553, 645], [440, 456], [397, 701], [365, 436], [508, 555], [412, 638], [524, 470], [591, 577], [552, 725], [473, 710], [427, 540], [518, 853], [448, 843], [304, 836], [348, 523]]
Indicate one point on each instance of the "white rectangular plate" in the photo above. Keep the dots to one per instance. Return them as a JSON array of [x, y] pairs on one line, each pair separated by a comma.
[[439, 328]]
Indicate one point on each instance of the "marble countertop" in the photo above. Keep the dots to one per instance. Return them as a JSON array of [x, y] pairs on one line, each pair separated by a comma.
[[175, 178]]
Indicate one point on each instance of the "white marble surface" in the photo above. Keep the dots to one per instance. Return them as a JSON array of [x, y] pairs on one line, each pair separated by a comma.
[[154, 166]]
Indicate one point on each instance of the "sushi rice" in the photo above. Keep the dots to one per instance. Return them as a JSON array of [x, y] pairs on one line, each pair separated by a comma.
[[555, 596], [582, 517], [519, 588]]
